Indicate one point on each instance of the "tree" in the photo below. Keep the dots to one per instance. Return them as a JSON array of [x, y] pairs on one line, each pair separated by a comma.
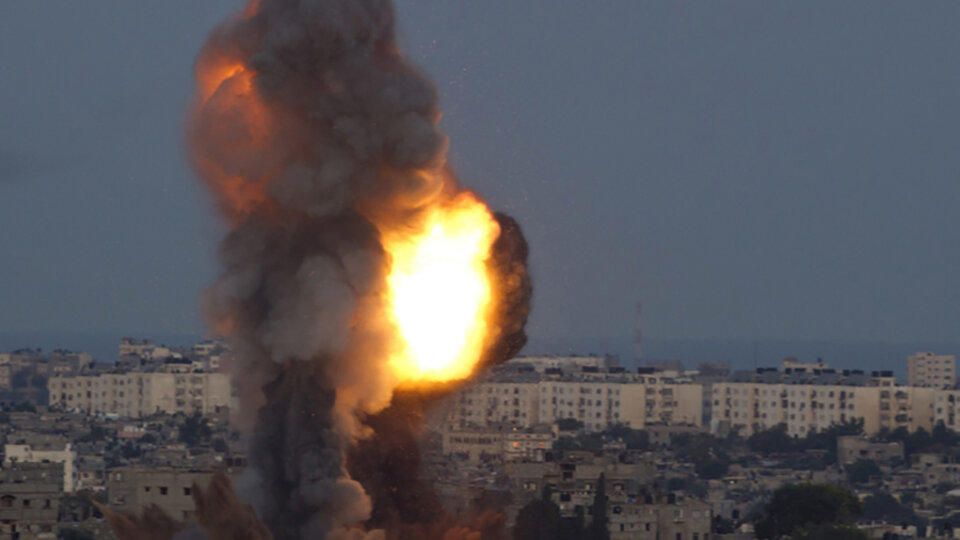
[[194, 429], [220, 446], [149, 438], [635, 439], [538, 520], [130, 451], [569, 424], [884, 507], [598, 526], [711, 469], [860, 471], [771, 440], [704, 451], [722, 525], [800, 508]]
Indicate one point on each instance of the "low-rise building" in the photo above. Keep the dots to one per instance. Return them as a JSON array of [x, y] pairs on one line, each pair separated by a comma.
[[851, 448], [29, 501], [15, 454], [131, 488], [667, 517]]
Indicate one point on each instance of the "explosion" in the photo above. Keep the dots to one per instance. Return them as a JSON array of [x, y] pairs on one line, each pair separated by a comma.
[[440, 291], [360, 280]]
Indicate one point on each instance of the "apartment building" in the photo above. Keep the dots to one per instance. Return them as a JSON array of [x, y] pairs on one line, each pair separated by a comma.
[[597, 398], [134, 395], [809, 402], [933, 370], [503, 443], [667, 517]]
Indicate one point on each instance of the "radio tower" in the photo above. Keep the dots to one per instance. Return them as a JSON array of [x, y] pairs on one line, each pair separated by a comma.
[[638, 337]]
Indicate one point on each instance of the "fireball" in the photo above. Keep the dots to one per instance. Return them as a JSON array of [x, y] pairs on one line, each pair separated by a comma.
[[440, 291]]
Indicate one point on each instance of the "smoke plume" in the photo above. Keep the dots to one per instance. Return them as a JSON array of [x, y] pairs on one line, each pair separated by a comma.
[[317, 138]]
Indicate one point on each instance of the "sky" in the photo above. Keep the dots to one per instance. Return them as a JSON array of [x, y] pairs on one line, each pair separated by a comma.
[[745, 169]]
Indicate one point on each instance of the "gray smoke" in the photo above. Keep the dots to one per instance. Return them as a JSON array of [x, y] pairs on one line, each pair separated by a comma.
[[314, 133]]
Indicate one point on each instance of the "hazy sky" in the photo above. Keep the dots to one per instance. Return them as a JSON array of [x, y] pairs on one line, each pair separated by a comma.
[[778, 170]]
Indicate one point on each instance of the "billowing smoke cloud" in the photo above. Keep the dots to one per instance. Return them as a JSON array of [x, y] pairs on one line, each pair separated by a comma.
[[316, 135]]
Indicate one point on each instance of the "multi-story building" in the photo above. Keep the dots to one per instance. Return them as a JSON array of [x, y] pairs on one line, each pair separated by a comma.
[[29, 501], [15, 454], [502, 443], [131, 488], [573, 480], [667, 517], [807, 402], [597, 398], [137, 394], [933, 370]]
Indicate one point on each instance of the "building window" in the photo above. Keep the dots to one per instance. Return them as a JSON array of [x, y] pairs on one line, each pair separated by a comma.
[[163, 490]]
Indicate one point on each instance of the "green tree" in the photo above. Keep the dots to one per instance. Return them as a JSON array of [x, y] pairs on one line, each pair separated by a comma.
[[149, 438], [797, 508], [884, 507], [770, 441], [538, 520], [569, 424], [722, 525], [130, 451], [219, 446], [194, 429], [635, 439], [705, 452], [598, 526]]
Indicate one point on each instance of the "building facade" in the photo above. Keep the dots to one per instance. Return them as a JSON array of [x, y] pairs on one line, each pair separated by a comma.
[[135, 394], [805, 406], [932, 370], [597, 399]]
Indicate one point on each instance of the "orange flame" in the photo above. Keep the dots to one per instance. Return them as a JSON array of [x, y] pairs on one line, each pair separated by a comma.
[[439, 288], [440, 291]]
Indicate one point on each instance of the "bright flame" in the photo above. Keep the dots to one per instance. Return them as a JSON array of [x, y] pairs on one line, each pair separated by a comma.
[[440, 291]]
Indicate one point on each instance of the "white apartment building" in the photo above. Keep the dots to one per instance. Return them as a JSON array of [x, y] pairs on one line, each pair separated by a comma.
[[815, 406], [596, 399], [933, 370], [134, 395]]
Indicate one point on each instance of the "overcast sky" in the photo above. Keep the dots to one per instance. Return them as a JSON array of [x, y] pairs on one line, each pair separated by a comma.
[[747, 169]]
